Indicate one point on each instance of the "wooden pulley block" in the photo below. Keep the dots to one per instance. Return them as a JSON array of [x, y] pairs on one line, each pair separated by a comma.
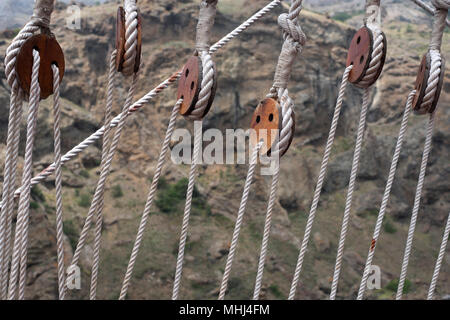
[[120, 40], [267, 117], [421, 85], [50, 54], [359, 55], [189, 86]]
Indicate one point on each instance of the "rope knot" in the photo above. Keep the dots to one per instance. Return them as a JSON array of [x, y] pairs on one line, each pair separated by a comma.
[[291, 29]]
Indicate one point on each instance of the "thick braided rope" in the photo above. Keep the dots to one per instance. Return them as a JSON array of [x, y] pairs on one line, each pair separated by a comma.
[[376, 58], [75, 151], [440, 257], [267, 227], [98, 194], [287, 123], [205, 23], [386, 195], [412, 225], [150, 197], [105, 153], [239, 219], [131, 34], [428, 8], [440, 15], [9, 179], [40, 19], [196, 160], [205, 87], [351, 187], [58, 184], [20, 242], [320, 180]]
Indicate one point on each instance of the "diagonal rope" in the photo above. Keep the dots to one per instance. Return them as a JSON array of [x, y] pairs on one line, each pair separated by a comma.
[[267, 227], [412, 225], [58, 184], [196, 160], [150, 197], [105, 154], [239, 219], [75, 151], [98, 194], [440, 257], [387, 192], [320, 180], [21, 235], [351, 187], [9, 181]]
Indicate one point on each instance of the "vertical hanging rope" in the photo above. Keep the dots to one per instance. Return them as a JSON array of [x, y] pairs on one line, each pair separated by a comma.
[[150, 197], [239, 219], [387, 193], [58, 184], [440, 14], [439, 259], [19, 257], [9, 181], [267, 227], [196, 160], [207, 14], [105, 153], [320, 180], [412, 225], [351, 187], [98, 194]]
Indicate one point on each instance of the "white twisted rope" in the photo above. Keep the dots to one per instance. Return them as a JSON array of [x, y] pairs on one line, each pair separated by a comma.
[[440, 257], [412, 225], [375, 60], [267, 227], [21, 235], [58, 184], [131, 34], [150, 197], [196, 160], [98, 194], [320, 180], [239, 219], [9, 181], [386, 195], [282, 142], [351, 187], [205, 87], [105, 154], [222, 42], [75, 151]]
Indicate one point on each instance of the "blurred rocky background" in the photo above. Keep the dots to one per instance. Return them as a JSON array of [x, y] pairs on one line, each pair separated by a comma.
[[246, 68]]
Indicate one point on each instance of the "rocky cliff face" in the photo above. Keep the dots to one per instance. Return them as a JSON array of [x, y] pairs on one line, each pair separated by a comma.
[[246, 68]]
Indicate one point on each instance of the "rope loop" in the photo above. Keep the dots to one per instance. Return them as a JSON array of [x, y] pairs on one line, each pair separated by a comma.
[[39, 20], [286, 135], [131, 37]]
